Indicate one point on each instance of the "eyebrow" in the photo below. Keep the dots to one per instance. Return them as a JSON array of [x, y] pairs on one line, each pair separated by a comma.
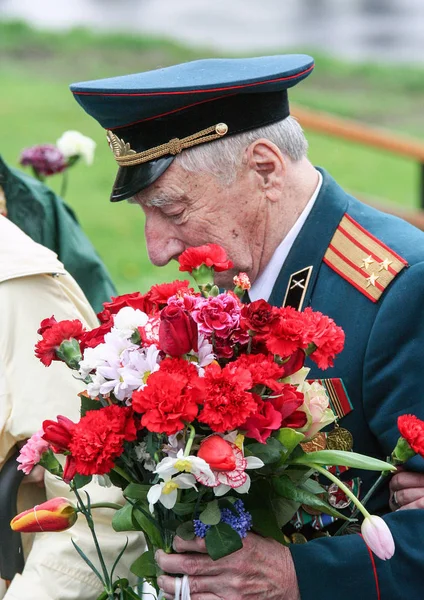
[[158, 200]]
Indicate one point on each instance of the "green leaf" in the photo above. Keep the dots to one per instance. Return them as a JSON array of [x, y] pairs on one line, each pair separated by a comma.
[[221, 540], [211, 515], [137, 491], [147, 524], [118, 558], [144, 566], [345, 459], [289, 438], [89, 404], [181, 509], [122, 520], [269, 452], [81, 480], [287, 489], [265, 523], [87, 560], [186, 531], [312, 486], [284, 509]]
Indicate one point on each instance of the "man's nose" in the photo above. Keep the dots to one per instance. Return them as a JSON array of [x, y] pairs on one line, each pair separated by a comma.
[[161, 245]]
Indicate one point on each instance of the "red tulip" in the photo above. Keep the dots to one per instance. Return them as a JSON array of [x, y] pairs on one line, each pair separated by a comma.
[[218, 453], [177, 331], [58, 433], [56, 514]]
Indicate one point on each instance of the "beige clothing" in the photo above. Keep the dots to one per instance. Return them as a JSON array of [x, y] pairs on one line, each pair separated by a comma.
[[34, 286]]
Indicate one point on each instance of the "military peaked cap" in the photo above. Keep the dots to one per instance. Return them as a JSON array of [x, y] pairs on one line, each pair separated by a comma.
[[152, 116]]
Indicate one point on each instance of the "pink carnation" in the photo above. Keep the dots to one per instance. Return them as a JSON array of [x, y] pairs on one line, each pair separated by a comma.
[[30, 454], [219, 315]]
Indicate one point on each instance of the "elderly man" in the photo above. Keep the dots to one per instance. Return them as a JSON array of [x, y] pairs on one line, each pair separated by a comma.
[[210, 153]]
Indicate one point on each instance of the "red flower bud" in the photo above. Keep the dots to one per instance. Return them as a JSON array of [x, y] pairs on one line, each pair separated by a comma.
[[218, 453], [58, 433], [56, 514], [177, 331]]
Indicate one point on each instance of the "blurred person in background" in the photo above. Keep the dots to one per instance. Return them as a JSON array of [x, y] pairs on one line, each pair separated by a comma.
[[45, 217], [209, 151], [35, 285]]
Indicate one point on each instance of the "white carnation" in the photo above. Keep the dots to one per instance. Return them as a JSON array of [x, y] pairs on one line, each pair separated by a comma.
[[74, 143]]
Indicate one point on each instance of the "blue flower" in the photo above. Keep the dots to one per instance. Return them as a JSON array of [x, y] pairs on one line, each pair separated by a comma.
[[241, 523]]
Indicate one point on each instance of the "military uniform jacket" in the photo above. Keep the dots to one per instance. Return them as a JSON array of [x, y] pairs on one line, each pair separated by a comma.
[[42, 215], [368, 275]]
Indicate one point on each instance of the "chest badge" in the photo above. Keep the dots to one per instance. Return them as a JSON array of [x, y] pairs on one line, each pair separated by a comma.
[[297, 287]]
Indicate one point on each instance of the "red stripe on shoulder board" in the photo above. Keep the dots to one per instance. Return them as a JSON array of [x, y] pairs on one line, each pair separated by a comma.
[[379, 242]]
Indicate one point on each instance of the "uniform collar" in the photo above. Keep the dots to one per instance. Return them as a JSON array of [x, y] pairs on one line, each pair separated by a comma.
[[263, 285], [313, 239]]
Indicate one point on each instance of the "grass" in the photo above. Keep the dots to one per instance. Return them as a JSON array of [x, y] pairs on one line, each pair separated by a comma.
[[37, 67]]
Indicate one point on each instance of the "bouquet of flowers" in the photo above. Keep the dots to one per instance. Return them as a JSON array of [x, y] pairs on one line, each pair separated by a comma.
[[198, 407]]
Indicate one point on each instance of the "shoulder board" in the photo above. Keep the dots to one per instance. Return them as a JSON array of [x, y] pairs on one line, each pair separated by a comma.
[[362, 259]]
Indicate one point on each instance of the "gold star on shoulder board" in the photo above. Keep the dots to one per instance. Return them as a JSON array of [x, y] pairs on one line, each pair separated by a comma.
[[385, 264], [366, 262], [372, 279]]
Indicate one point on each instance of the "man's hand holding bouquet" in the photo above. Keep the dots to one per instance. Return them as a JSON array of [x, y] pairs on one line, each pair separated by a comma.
[[198, 407]]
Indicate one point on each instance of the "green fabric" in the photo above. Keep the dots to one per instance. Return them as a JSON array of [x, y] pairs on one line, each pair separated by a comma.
[[381, 368], [43, 215]]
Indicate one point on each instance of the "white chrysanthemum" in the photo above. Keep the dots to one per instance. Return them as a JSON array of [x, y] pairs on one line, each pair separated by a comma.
[[187, 464], [92, 359], [127, 320], [74, 143], [204, 355], [166, 491], [138, 364], [175, 443]]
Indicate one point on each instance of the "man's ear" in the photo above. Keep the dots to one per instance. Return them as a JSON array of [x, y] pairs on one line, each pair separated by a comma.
[[267, 162]]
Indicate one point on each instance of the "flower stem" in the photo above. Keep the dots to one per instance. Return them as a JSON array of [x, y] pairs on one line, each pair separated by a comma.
[[190, 439], [86, 510], [344, 489], [64, 185], [376, 485], [106, 505]]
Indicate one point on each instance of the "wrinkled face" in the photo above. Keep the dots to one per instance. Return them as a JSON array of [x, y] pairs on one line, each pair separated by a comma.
[[185, 209]]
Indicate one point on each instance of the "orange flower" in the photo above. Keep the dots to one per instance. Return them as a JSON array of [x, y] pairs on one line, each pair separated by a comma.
[[56, 514]]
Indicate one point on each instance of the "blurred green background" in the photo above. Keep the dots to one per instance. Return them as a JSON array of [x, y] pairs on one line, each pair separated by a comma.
[[36, 107]]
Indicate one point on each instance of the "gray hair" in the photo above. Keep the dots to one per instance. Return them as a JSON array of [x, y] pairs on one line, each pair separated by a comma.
[[224, 157]]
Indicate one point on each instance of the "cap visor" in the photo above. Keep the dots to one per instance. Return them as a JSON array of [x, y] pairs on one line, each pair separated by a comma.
[[131, 180]]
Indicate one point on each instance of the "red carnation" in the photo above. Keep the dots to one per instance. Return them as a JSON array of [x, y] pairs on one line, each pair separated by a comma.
[[287, 403], [326, 335], [227, 403], [53, 336], [211, 255], [96, 336], [134, 300], [260, 425], [258, 316], [98, 439], [263, 369], [287, 333], [160, 293], [412, 429], [46, 324], [170, 398]]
